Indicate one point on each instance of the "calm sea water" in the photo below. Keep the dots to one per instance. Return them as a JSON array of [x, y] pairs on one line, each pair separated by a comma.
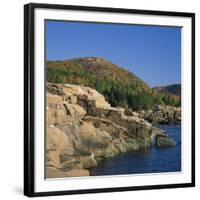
[[152, 160]]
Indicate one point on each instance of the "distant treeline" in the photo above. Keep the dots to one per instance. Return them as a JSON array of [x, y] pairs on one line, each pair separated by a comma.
[[120, 88]]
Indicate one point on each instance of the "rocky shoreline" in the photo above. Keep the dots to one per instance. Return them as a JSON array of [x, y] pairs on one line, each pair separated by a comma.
[[162, 115], [82, 129]]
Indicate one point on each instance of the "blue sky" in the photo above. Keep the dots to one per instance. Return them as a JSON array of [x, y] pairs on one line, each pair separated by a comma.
[[153, 53]]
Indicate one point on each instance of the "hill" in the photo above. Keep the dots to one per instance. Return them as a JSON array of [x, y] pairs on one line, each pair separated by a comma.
[[173, 89], [119, 86]]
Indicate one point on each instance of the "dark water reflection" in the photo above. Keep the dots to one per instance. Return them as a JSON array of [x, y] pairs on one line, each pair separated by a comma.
[[152, 160]]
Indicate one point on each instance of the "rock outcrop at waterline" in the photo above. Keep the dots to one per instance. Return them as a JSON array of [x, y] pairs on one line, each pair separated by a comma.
[[82, 129], [162, 115], [165, 141]]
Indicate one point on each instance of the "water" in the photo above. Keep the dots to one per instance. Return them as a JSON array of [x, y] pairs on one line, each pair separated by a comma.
[[152, 160]]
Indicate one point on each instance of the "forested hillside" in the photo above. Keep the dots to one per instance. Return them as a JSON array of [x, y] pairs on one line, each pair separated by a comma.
[[119, 86]]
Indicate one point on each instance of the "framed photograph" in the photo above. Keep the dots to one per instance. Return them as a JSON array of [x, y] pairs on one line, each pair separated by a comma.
[[108, 99]]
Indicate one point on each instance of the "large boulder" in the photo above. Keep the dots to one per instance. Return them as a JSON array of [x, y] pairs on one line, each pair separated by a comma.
[[163, 141], [86, 94]]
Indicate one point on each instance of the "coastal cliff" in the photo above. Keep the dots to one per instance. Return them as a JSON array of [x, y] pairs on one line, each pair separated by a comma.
[[83, 129]]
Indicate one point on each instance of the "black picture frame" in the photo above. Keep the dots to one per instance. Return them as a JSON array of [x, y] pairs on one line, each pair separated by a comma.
[[29, 109]]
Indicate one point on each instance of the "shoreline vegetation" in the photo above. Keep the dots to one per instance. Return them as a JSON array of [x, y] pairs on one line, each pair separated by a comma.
[[96, 110]]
